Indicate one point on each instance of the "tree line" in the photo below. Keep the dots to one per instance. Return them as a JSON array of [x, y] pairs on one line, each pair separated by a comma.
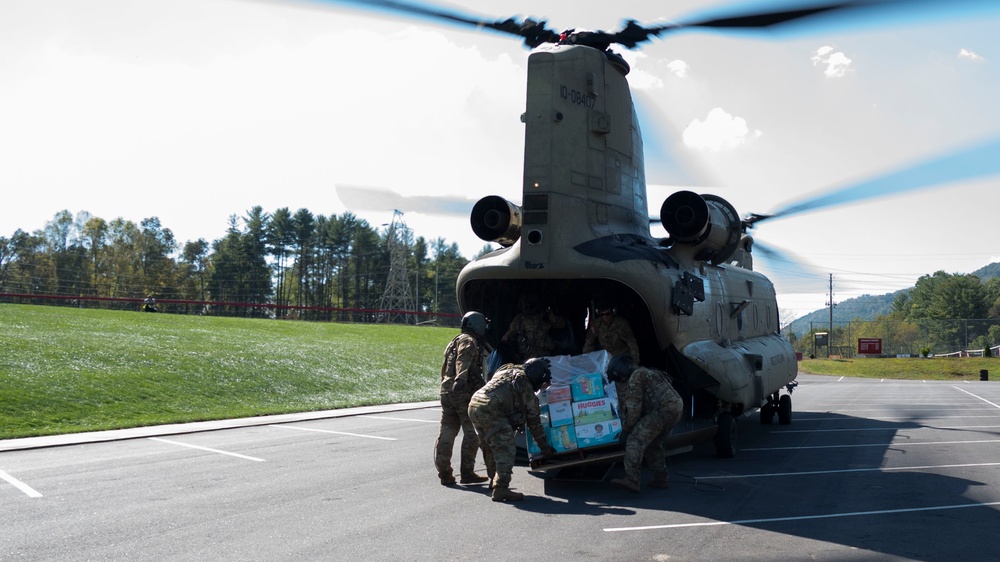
[[300, 264], [942, 313]]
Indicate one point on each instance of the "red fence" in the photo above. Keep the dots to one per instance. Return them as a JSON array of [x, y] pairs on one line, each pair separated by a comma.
[[266, 306]]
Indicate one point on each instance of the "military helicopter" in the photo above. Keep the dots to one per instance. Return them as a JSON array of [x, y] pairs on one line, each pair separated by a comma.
[[582, 231]]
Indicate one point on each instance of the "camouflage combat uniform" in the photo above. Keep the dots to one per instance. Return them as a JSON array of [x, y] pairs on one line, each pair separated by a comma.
[[615, 336], [530, 336], [505, 404], [461, 375], [650, 407]]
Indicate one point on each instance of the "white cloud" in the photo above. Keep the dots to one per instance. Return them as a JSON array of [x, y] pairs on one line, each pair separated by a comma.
[[837, 64], [679, 68], [971, 55], [719, 130]]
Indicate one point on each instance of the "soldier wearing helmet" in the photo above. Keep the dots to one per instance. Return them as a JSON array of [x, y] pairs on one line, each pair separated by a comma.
[[649, 409], [529, 334], [461, 375], [500, 408], [610, 332]]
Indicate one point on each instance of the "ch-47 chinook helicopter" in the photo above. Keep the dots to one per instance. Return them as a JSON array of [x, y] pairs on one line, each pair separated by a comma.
[[582, 232]]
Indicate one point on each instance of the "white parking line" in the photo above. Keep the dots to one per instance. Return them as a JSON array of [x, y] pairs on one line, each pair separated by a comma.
[[802, 419], [799, 517], [895, 444], [178, 443], [400, 419], [891, 428], [974, 396], [335, 432], [844, 471], [19, 485]]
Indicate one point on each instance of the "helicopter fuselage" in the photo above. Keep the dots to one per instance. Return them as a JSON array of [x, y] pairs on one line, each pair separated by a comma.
[[582, 233]]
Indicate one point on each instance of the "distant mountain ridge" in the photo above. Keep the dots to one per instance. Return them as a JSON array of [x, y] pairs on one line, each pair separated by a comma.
[[866, 307]]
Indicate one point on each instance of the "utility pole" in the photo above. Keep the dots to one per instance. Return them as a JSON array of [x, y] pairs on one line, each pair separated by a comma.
[[829, 341]]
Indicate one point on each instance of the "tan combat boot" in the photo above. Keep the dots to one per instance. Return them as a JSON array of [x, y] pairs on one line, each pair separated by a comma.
[[472, 478], [503, 494], [661, 481], [626, 484]]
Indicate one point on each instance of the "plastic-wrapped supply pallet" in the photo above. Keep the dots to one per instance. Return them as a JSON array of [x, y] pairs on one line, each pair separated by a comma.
[[579, 408]]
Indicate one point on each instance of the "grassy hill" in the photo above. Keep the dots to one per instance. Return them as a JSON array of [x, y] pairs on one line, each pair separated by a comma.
[[66, 370], [867, 307]]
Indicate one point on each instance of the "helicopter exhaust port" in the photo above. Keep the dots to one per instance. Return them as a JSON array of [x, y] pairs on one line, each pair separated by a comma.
[[494, 219], [708, 224]]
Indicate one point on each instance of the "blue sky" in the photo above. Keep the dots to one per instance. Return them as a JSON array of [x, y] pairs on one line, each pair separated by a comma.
[[193, 110]]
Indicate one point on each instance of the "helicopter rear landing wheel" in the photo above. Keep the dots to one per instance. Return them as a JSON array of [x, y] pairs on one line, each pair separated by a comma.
[[725, 436], [785, 410]]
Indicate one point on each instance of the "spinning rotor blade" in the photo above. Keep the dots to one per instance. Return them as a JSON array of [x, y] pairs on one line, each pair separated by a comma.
[[533, 32], [377, 199], [633, 34], [979, 161]]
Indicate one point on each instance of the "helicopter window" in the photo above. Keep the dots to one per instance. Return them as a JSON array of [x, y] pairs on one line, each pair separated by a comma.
[[536, 208]]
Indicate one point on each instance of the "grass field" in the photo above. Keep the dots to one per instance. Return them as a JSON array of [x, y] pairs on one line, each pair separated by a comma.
[[65, 370], [933, 368]]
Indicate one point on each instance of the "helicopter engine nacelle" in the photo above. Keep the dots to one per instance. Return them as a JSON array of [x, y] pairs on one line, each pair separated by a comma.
[[494, 219], [707, 224]]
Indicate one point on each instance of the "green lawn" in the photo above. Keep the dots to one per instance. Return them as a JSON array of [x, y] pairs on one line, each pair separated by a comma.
[[934, 368], [65, 370]]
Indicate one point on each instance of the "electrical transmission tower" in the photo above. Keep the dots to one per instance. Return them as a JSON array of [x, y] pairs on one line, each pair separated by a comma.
[[396, 300]]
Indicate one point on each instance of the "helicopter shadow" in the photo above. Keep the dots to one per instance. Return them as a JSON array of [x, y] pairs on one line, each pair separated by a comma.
[[859, 482]]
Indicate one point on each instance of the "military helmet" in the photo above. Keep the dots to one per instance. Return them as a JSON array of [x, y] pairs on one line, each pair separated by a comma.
[[529, 303], [620, 367], [475, 322], [538, 371]]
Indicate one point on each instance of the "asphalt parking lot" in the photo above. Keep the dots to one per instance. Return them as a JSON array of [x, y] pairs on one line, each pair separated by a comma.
[[868, 470]]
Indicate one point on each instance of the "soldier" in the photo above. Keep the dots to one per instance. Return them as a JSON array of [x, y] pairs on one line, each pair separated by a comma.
[[461, 375], [504, 405], [612, 333], [529, 333], [650, 407]]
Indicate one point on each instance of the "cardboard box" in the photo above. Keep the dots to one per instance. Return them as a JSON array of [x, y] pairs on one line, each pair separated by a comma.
[[586, 387], [600, 433], [560, 413], [533, 448], [558, 394], [592, 411], [563, 438]]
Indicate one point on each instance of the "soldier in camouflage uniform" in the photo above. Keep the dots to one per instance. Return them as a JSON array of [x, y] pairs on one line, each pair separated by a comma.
[[530, 334], [500, 408], [461, 375], [612, 333], [649, 407]]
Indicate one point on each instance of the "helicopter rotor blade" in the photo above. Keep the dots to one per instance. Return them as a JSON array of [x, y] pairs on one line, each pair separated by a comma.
[[380, 199], [533, 32], [979, 161], [633, 34]]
